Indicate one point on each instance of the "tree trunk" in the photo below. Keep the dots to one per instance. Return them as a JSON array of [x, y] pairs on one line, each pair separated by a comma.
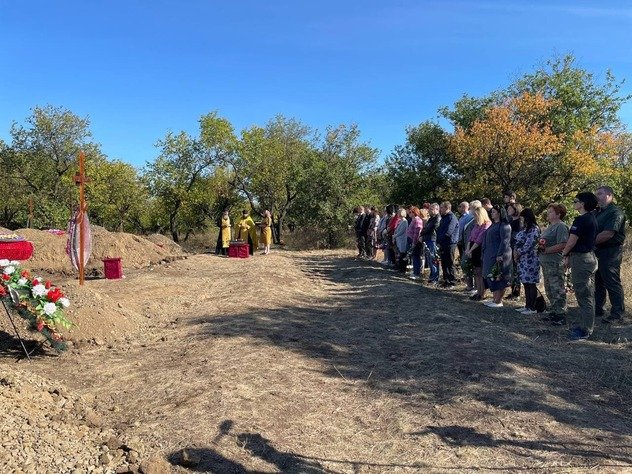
[[276, 230], [173, 228]]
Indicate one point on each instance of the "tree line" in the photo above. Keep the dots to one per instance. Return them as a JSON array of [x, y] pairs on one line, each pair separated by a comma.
[[547, 135]]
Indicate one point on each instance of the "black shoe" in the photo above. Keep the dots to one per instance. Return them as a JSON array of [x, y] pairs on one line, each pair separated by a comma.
[[558, 321], [475, 298]]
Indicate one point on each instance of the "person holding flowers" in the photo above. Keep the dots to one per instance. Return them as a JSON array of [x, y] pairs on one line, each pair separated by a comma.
[[526, 256], [550, 248], [497, 256]]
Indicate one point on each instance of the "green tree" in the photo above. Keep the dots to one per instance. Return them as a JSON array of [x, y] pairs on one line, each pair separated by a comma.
[[420, 170], [340, 177], [115, 194], [41, 159], [177, 177], [269, 167]]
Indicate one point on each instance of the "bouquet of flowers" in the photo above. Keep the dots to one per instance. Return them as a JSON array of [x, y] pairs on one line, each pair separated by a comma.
[[467, 267], [496, 272], [541, 245], [36, 300]]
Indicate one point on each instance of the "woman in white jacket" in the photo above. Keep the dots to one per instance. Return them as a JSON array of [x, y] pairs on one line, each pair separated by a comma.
[[401, 240]]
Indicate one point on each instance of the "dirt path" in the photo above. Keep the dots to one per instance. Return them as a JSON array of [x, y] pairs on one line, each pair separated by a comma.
[[315, 362]]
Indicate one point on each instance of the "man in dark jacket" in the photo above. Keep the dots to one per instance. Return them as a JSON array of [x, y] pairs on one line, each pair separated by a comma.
[[360, 236], [447, 239], [429, 237]]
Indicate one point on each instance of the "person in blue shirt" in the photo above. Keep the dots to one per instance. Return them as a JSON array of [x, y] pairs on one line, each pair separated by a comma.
[[447, 239]]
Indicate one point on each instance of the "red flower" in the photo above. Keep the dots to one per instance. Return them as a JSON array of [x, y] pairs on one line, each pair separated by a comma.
[[3, 292], [25, 274], [54, 295], [35, 282], [5, 277], [48, 284], [40, 325]]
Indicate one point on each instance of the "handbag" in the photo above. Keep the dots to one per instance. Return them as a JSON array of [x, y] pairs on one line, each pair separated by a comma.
[[540, 303]]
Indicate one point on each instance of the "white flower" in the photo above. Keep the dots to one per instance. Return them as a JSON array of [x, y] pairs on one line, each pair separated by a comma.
[[4, 262], [50, 308], [22, 281], [65, 302], [9, 270], [14, 263], [39, 290]]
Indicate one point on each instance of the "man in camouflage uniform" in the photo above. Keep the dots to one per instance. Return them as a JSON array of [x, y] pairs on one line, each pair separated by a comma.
[[609, 252]]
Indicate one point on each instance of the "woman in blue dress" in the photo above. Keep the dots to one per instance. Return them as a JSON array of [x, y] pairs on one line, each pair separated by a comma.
[[497, 256], [526, 255]]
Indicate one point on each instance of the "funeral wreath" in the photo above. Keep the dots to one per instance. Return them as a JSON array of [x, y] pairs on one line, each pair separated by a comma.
[[36, 300]]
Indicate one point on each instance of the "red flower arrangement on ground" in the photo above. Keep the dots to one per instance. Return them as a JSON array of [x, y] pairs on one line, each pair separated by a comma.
[[38, 302]]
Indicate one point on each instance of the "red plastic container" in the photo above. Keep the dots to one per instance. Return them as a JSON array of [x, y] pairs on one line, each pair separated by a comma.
[[112, 268]]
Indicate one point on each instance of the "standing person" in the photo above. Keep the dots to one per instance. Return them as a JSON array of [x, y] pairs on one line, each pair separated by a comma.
[[513, 217], [401, 240], [497, 255], [246, 230], [447, 238], [465, 218], [360, 236], [429, 237], [366, 226], [609, 253], [266, 232], [487, 204], [373, 240], [555, 237], [225, 232], [580, 256], [474, 250], [525, 253], [465, 231], [414, 231], [382, 231], [392, 225], [509, 197]]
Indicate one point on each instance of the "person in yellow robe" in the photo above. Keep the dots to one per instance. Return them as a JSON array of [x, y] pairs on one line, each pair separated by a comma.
[[225, 232], [266, 232], [246, 230]]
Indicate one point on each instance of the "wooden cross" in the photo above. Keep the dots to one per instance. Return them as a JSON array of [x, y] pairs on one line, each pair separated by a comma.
[[80, 180]]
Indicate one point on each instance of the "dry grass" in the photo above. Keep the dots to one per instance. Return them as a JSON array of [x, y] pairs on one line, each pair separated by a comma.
[[316, 362]]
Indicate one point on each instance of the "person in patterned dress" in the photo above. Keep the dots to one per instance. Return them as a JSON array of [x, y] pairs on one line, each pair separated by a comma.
[[526, 255]]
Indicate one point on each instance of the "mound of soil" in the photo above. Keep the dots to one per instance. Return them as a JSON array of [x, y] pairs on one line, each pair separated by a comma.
[[135, 252]]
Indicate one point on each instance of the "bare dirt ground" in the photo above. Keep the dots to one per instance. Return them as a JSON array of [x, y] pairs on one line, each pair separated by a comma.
[[316, 362]]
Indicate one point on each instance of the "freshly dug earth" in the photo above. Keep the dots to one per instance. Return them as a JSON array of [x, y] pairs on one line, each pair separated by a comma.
[[135, 252], [315, 362]]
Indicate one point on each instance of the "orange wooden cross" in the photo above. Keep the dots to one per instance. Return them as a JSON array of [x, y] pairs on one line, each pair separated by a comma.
[[80, 180]]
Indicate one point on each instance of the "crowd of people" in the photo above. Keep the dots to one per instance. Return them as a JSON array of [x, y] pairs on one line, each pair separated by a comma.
[[503, 249]]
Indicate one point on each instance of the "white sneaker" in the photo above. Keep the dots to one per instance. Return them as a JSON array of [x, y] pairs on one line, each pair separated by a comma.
[[528, 311], [472, 292], [413, 277], [491, 304], [521, 309]]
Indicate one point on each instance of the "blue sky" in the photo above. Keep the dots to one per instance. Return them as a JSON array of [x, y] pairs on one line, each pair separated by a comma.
[[138, 69]]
